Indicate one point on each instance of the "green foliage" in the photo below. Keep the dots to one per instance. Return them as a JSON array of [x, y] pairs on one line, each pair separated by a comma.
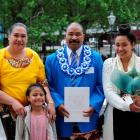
[[1, 45], [51, 16]]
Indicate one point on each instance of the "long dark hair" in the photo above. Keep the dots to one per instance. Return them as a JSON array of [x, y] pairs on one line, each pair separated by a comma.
[[32, 86], [10, 30]]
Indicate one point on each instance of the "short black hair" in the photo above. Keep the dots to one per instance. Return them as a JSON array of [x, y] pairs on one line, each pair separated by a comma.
[[77, 25]]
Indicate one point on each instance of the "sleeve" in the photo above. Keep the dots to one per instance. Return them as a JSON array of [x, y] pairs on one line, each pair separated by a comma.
[[19, 128], [51, 131], [55, 95], [41, 76], [110, 91], [97, 97]]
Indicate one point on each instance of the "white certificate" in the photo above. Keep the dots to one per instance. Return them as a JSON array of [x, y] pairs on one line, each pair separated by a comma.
[[76, 99]]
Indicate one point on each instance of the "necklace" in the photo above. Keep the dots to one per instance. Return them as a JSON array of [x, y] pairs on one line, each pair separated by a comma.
[[19, 63], [16, 62], [65, 67]]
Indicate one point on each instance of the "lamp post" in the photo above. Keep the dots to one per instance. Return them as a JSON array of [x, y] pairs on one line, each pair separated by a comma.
[[111, 20]]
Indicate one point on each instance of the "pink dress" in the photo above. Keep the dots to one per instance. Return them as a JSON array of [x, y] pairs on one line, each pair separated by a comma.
[[38, 127]]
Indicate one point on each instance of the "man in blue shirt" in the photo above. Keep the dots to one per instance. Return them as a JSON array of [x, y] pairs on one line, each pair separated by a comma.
[[88, 73]]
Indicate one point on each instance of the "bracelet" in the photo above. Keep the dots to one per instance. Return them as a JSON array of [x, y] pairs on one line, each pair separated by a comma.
[[50, 102]]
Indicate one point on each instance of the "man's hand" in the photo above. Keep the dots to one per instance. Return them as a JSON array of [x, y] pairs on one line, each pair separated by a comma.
[[63, 111], [88, 112]]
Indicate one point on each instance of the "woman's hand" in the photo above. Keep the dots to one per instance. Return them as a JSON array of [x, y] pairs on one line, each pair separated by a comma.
[[19, 108], [50, 105], [51, 112], [1, 107], [89, 112], [136, 100], [135, 106]]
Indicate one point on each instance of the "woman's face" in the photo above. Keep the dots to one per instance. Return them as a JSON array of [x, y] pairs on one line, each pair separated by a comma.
[[18, 38], [123, 47]]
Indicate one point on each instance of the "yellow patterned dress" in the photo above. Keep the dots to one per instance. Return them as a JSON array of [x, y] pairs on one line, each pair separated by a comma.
[[17, 74]]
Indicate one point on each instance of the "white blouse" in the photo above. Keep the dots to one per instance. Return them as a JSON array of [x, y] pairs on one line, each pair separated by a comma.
[[112, 94]]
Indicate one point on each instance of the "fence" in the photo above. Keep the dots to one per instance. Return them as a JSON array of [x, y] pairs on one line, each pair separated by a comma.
[[137, 49]]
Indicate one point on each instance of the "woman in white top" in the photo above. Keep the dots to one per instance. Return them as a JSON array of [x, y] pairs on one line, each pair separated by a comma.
[[121, 83]]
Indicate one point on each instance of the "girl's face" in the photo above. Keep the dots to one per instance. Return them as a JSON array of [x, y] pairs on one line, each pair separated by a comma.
[[123, 47], [18, 38], [36, 97]]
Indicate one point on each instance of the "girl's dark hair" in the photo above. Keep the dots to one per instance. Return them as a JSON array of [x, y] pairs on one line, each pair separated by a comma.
[[125, 30], [15, 25], [32, 86]]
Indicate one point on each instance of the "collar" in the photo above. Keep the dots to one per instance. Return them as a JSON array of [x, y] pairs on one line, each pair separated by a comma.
[[78, 52], [84, 65], [131, 63]]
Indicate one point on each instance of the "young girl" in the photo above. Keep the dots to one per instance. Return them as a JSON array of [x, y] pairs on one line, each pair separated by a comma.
[[35, 125]]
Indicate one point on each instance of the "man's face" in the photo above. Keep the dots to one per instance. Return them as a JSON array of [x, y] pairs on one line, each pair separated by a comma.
[[74, 37]]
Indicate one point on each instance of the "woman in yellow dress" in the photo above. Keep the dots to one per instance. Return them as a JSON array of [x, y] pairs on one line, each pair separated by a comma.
[[19, 67]]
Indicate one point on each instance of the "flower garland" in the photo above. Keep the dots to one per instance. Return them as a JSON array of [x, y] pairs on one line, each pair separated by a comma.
[[65, 67]]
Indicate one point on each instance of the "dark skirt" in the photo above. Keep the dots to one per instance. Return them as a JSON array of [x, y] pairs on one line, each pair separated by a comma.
[[126, 125]]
